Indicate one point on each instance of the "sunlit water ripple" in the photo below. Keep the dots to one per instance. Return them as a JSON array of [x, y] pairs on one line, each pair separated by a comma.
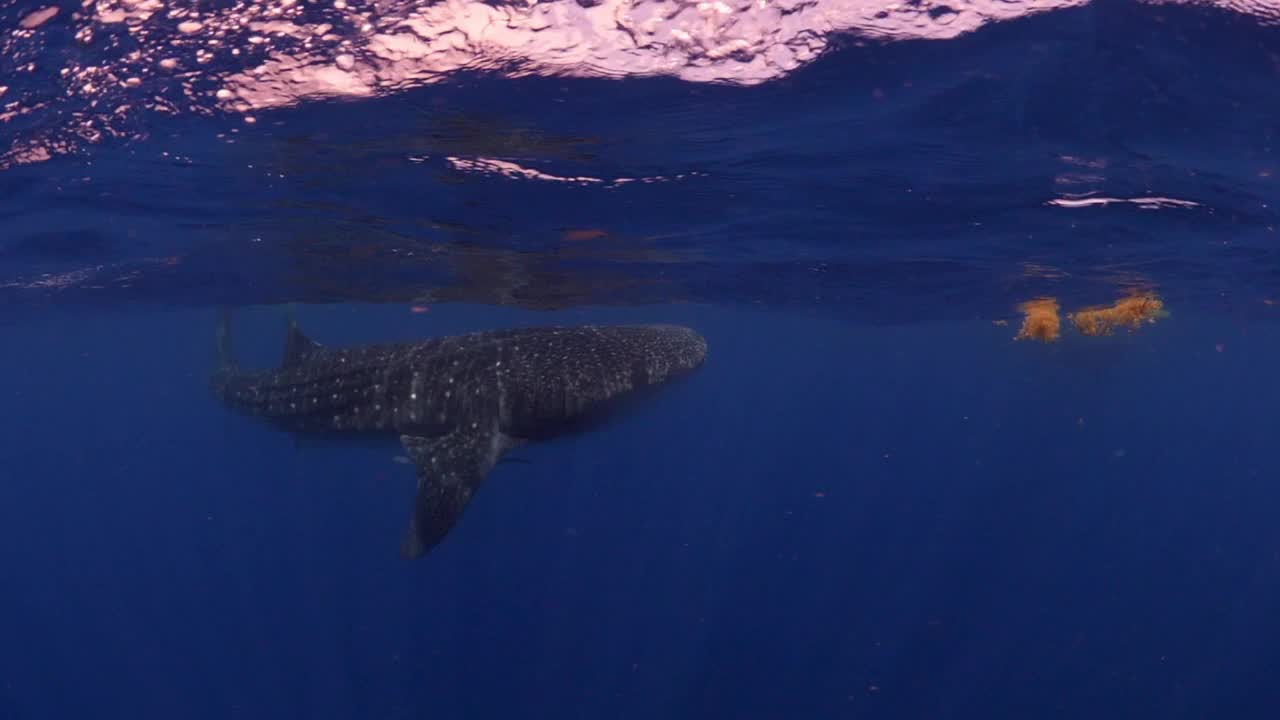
[[885, 161]]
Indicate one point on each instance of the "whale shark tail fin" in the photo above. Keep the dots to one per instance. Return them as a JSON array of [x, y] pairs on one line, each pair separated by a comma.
[[451, 469], [222, 336]]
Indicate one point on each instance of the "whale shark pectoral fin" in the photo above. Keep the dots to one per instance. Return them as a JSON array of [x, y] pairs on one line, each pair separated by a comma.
[[451, 469]]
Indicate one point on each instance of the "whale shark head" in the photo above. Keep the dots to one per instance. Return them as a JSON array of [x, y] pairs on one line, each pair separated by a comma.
[[667, 351], [686, 348], [569, 378]]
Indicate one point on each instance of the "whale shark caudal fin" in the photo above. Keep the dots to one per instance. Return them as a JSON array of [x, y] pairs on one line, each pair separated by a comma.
[[451, 469], [298, 348], [222, 338]]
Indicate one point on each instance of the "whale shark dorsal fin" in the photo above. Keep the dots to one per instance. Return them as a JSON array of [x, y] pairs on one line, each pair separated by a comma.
[[451, 469], [298, 348]]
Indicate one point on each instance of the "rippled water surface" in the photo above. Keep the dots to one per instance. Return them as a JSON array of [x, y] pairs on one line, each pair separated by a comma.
[[548, 157]]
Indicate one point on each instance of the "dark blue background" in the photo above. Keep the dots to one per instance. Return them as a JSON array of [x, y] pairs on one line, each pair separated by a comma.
[[1005, 529]]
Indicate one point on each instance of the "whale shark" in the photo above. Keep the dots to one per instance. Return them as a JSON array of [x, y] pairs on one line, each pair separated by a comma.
[[458, 403]]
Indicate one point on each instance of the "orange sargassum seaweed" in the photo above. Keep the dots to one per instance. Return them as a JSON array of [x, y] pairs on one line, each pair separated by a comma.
[[1128, 312], [1040, 320]]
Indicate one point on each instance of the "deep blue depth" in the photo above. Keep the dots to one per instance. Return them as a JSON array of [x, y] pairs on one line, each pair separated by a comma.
[[828, 520], [870, 503]]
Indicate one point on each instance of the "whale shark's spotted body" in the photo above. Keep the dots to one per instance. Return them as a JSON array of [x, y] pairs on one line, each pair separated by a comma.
[[458, 403]]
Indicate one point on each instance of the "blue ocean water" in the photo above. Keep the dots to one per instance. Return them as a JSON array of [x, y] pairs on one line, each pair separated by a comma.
[[872, 500]]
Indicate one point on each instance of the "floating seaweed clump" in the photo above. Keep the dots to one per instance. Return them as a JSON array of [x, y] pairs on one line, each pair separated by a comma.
[[1128, 312], [1040, 320]]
